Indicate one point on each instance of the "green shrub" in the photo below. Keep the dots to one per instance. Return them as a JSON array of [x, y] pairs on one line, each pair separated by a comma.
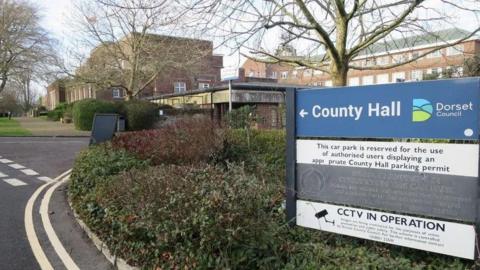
[[59, 111], [84, 112], [140, 114], [262, 151], [93, 166], [191, 217], [54, 115], [205, 216], [185, 141], [242, 117]]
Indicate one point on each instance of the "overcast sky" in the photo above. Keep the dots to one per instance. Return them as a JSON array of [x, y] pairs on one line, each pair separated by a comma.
[[55, 18]]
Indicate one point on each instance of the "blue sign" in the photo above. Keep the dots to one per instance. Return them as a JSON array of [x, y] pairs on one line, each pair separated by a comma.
[[447, 109]]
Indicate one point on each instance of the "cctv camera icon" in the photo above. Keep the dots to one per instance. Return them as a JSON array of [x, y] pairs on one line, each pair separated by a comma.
[[323, 214]]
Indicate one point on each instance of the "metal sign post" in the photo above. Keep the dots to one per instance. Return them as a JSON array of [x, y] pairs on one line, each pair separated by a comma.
[[229, 95], [229, 74], [291, 191]]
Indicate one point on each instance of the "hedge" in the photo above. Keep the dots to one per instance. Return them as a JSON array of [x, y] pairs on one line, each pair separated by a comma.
[[140, 114], [84, 112], [59, 111], [217, 214], [92, 167], [262, 151], [186, 141]]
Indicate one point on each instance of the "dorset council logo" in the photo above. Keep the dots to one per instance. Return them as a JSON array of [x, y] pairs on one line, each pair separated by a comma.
[[422, 110]]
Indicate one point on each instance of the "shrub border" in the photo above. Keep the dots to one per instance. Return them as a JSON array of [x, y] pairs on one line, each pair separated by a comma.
[[118, 263]]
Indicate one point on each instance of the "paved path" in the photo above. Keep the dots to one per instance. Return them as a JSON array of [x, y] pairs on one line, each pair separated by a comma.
[[36, 221], [41, 127]]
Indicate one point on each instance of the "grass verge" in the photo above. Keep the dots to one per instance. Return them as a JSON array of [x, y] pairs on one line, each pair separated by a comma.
[[10, 127]]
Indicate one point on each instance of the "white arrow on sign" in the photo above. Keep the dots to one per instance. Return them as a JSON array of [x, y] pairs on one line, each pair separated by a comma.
[[303, 113]]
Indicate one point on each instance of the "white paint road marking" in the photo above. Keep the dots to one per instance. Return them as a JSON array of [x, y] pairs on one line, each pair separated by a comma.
[[47, 225], [15, 182], [30, 230], [29, 172], [16, 166], [45, 179], [2, 175], [4, 160]]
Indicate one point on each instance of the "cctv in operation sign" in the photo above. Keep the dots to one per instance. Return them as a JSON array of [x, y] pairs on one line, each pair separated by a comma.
[[360, 163]]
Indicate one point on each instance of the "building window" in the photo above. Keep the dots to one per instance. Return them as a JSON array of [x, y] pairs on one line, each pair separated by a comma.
[[116, 93], [328, 83], [274, 74], [203, 85], [370, 62], [284, 74], [383, 60], [434, 54], [367, 80], [273, 115], [355, 81], [459, 71], [435, 71], [398, 77], [53, 100], [179, 87], [383, 78], [416, 75], [455, 50], [399, 58], [294, 73], [317, 72]]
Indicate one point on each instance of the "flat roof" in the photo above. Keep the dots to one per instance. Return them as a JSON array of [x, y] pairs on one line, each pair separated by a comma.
[[246, 86]]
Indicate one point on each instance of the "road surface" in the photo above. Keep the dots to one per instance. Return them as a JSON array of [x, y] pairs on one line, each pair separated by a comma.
[[37, 228]]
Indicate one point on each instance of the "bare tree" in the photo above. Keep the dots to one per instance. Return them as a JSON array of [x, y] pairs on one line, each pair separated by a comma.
[[132, 46], [9, 102], [22, 40], [22, 85], [472, 66], [331, 33]]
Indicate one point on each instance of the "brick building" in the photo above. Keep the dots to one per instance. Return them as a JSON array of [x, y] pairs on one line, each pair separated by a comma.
[[447, 60], [55, 94], [191, 64], [267, 98]]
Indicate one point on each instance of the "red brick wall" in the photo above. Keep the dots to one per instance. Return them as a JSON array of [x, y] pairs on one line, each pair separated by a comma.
[[268, 116], [470, 48], [59, 94]]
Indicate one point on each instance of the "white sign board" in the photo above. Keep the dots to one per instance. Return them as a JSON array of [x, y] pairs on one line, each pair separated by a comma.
[[427, 234], [228, 74], [436, 158]]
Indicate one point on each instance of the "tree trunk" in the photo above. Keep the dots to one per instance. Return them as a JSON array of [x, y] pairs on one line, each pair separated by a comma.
[[128, 95], [3, 83], [339, 74], [339, 67]]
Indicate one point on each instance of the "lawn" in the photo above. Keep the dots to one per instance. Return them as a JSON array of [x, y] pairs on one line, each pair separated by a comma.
[[12, 128]]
